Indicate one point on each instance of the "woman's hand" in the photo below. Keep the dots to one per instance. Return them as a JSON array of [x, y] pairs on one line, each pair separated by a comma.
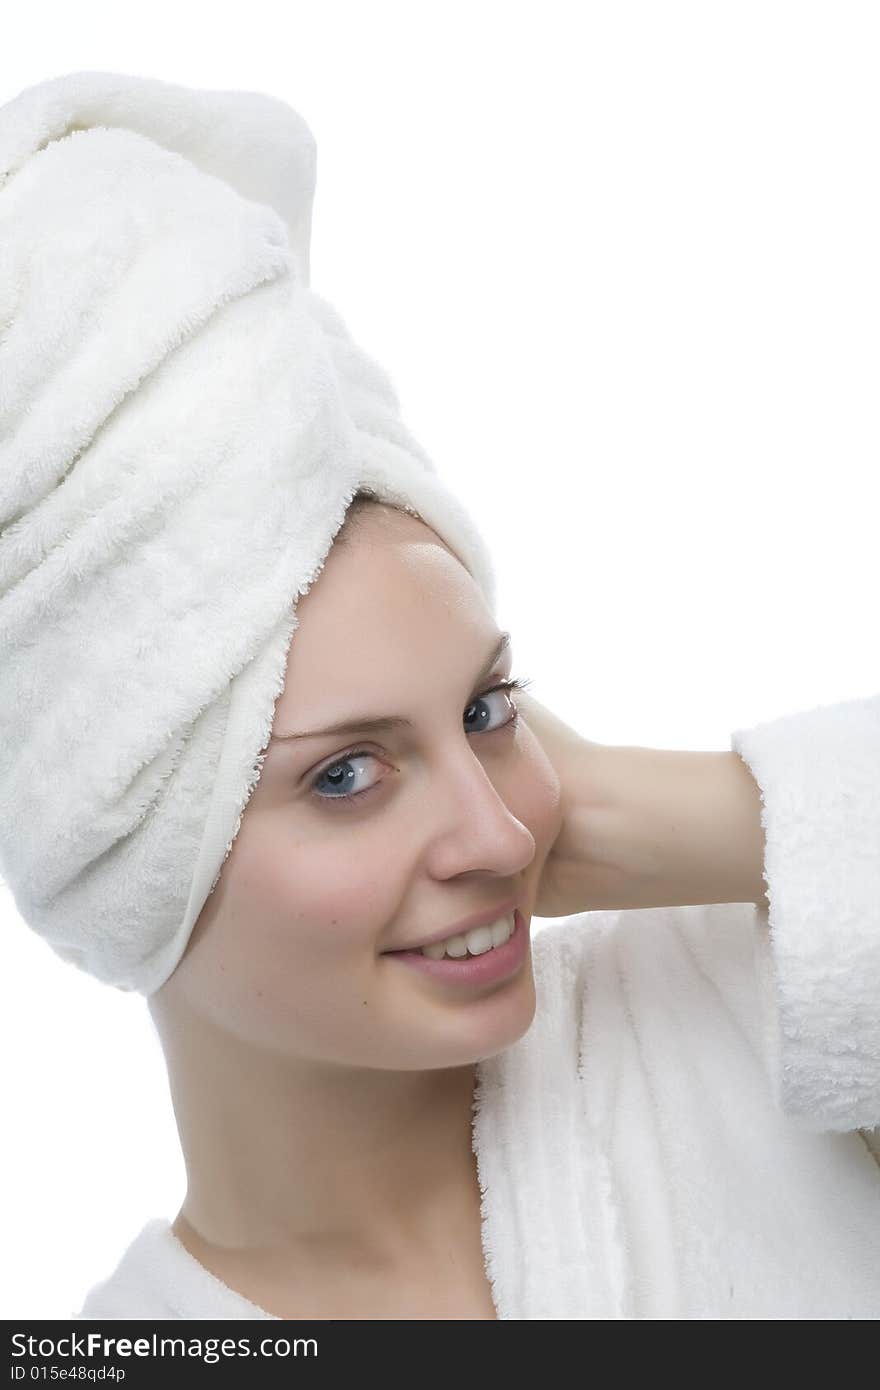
[[646, 827], [565, 885]]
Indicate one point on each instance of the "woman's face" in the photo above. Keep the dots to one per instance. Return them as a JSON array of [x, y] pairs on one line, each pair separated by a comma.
[[451, 817]]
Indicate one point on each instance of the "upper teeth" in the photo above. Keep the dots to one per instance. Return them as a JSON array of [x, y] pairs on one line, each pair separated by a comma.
[[477, 941]]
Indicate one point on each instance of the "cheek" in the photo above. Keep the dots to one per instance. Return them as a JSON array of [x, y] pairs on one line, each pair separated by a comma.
[[319, 894], [290, 919]]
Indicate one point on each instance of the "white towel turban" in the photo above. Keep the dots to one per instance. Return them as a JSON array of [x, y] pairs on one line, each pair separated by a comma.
[[183, 425]]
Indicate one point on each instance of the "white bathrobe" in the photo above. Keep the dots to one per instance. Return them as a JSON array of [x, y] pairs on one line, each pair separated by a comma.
[[691, 1126]]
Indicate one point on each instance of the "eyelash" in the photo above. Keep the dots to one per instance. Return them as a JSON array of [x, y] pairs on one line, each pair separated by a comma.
[[519, 683]]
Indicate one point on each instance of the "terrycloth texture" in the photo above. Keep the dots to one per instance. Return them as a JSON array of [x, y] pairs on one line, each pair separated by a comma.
[[158, 1278], [657, 1145], [819, 775], [183, 423]]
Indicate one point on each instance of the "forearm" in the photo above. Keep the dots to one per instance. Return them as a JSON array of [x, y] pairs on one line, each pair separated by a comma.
[[666, 828]]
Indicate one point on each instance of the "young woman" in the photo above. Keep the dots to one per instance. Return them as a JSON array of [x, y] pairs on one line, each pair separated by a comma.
[[633, 1157], [279, 776]]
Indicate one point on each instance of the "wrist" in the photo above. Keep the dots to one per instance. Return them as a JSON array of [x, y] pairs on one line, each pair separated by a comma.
[[665, 827]]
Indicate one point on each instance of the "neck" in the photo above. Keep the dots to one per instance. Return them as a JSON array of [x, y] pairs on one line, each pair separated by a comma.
[[284, 1155]]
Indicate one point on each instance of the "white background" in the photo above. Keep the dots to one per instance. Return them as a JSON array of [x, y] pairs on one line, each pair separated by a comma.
[[621, 261]]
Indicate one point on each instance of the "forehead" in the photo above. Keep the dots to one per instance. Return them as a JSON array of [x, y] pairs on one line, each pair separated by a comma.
[[383, 553], [378, 526], [393, 598]]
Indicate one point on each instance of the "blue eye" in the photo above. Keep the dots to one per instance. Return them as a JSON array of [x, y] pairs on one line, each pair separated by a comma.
[[342, 780]]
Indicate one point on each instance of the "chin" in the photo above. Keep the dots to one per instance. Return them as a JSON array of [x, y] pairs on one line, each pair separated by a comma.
[[498, 1019]]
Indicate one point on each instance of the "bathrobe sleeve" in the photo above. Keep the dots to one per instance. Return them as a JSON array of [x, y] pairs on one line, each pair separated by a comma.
[[818, 772]]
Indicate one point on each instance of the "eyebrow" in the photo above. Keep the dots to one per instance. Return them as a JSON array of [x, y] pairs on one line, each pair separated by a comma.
[[386, 722]]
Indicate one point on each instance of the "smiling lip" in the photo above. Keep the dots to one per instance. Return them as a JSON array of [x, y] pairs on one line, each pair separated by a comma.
[[477, 919], [488, 968]]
